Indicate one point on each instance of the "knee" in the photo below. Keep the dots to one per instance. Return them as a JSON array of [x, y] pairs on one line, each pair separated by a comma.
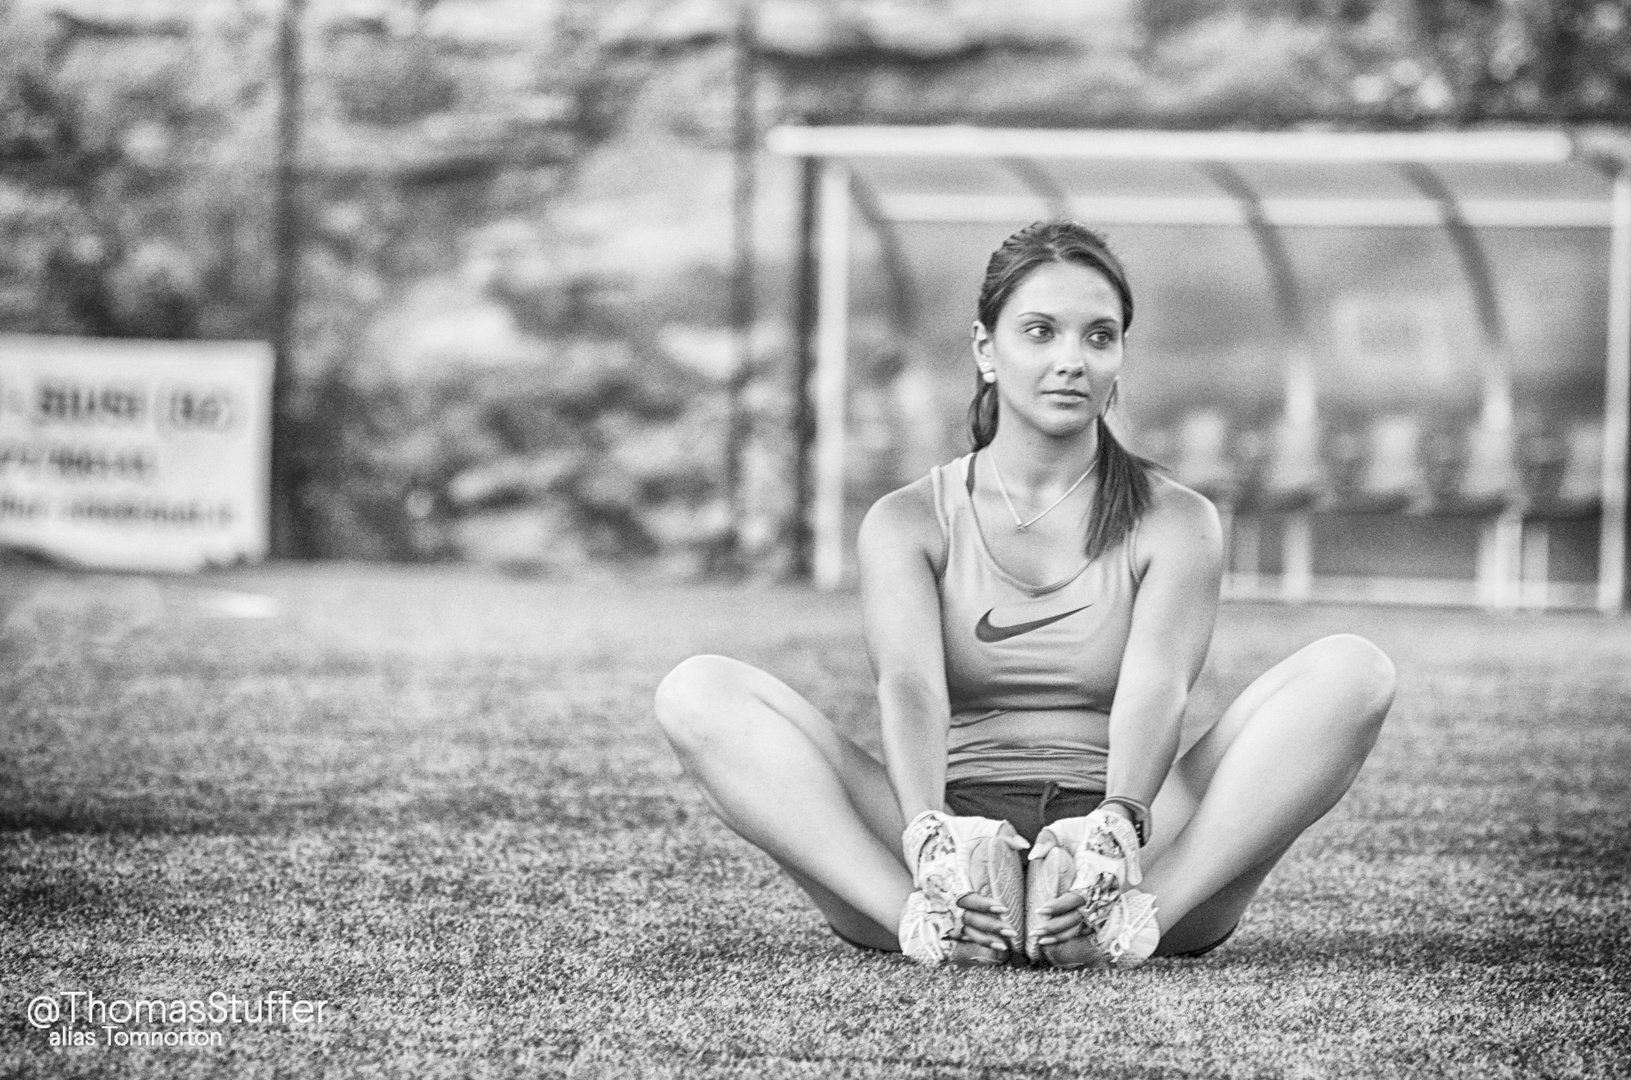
[[1362, 669], [693, 696]]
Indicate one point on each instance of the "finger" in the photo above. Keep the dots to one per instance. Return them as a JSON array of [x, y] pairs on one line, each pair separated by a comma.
[[982, 922], [989, 924], [997, 945], [1063, 928], [976, 902], [1044, 844], [1065, 901], [1008, 836], [988, 938]]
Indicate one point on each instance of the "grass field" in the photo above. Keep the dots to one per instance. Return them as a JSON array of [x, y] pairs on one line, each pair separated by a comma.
[[436, 800]]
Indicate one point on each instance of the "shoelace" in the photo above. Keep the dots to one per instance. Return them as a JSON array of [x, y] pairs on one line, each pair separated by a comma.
[[1130, 919]]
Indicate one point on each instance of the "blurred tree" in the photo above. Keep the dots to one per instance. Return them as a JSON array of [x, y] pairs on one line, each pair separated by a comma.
[[1171, 62], [1419, 61], [124, 242], [135, 187]]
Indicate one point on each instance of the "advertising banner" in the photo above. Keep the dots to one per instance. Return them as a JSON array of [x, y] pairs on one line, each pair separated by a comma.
[[135, 455]]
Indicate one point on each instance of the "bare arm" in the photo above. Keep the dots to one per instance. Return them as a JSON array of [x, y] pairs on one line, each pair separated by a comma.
[[899, 546], [1180, 543], [900, 598]]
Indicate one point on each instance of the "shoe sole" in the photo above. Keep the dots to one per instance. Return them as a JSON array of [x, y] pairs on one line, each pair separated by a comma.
[[1050, 876], [998, 872]]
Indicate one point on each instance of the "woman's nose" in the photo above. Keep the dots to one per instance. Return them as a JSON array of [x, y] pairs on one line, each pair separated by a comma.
[[1071, 358]]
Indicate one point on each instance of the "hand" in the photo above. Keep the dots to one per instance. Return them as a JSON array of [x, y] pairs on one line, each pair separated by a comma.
[[936, 847], [1102, 850], [1064, 919], [983, 923], [1103, 842]]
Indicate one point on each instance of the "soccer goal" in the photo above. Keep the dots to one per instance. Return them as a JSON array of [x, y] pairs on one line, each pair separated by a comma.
[[1398, 362]]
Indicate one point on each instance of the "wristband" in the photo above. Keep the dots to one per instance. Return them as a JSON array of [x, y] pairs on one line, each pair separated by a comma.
[[1140, 812]]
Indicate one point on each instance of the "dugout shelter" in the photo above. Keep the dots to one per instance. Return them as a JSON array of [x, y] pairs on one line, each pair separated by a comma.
[[1398, 362]]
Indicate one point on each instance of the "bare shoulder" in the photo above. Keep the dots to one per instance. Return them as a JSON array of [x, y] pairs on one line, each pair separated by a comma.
[[1180, 522], [902, 522]]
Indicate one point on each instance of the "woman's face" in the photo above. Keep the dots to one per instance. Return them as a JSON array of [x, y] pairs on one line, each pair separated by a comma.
[[1056, 348]]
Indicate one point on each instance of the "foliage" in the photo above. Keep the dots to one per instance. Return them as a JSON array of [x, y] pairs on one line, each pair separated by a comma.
[[1184, 63], [136, 169], [1419, 61]]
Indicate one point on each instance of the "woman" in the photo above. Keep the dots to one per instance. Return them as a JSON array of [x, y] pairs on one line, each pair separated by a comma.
[[1036, 614]]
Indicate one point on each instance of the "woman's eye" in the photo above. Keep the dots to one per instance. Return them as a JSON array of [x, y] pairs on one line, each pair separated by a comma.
[[1039, 332], [1101, 338]]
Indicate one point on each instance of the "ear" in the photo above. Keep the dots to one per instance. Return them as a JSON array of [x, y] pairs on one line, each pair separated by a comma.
[[981, 345]]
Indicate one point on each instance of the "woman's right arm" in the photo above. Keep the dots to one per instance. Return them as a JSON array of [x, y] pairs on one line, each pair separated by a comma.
[[899, 547]]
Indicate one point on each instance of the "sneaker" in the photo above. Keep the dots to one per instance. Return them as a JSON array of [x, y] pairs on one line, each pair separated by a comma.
[[952, 857], [1049, 878], [925, 931], [1095, 857], [1130, 933], [1125, 937]]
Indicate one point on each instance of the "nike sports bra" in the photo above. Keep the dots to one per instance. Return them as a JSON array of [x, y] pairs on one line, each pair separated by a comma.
[[1031, 669]]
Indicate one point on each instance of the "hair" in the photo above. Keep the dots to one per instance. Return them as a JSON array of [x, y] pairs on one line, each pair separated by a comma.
[[1123, 491]]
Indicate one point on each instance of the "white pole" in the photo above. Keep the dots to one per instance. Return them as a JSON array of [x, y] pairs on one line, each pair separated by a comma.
[[1288, 146], [1297, 557], [832, 358], [1617, 403]]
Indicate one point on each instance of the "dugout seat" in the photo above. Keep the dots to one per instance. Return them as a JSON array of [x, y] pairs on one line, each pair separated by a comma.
[[1202, 457], [1564, 478], [1289, 481], [1391, 478], [1201, 461], [1293, 476], [1490, 490]]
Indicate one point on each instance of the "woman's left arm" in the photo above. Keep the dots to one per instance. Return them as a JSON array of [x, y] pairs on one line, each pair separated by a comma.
[[1180, 549]]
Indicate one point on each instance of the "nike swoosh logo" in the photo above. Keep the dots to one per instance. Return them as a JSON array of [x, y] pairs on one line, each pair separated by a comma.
[[989, 633]]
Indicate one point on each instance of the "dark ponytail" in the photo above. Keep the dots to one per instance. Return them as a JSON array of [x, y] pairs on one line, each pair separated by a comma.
[[1123, 492], [982, 413]]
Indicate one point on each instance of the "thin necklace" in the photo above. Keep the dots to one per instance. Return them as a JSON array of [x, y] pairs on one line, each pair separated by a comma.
[[1020, 523]]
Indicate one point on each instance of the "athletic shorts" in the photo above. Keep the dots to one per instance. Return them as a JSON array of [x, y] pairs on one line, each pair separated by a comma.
[[1027, 807]]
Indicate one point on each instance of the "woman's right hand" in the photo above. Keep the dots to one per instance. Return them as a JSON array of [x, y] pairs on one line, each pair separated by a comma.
[[938, 848], [983, 923]]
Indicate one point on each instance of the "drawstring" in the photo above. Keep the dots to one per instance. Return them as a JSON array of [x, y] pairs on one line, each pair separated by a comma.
[[1049, 790]]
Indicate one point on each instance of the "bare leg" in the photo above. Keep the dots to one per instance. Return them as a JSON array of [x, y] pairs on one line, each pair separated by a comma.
[[1280, 757], [778, 773]]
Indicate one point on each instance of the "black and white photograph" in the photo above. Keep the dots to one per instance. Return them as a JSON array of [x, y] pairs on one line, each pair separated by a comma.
[[869, 539]]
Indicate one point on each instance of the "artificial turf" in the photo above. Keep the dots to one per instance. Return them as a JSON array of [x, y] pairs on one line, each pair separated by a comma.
[[436, 800]]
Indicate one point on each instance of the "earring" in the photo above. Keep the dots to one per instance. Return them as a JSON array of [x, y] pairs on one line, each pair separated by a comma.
[[988, 375]]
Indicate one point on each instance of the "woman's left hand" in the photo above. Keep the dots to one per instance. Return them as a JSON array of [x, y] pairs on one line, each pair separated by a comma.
[[1065, 919]]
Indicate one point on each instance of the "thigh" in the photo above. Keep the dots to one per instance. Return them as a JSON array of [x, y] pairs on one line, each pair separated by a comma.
[[864, 779], [1192, 773], [1213, 920], [1333, 669]]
